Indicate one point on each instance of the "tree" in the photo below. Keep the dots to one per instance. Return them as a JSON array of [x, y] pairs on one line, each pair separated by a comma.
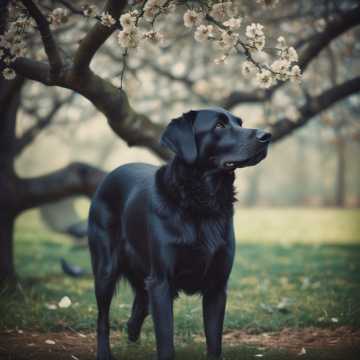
[[67, 65]]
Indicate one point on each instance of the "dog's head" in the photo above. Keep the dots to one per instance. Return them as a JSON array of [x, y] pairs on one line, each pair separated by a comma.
[[215, 138]]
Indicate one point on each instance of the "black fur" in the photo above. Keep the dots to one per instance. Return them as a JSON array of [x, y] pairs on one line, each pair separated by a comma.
[[170, 229]]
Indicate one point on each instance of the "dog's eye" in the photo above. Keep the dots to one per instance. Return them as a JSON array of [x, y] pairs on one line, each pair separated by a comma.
[[220, 125]]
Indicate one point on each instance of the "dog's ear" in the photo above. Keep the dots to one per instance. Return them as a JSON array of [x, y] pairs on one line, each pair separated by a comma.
[[179, 137]]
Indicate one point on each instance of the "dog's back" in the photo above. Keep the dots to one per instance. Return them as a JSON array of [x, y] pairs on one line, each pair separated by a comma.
[[121, 197]]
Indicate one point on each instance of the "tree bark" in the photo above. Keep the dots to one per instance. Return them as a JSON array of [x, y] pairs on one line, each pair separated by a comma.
[[9, 99], [7, 269]]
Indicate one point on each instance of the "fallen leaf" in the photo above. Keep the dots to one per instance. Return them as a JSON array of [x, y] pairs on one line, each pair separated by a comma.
[[50, 342], [65, 302]]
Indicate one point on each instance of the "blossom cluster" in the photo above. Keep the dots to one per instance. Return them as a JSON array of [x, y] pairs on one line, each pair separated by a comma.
[[12, 44], [282, 69], [58, 16], [218, 24]]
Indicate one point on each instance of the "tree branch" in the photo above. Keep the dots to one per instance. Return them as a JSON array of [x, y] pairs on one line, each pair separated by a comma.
[[33, 70], [312, 48], [315, 106], [91, 43], [74, 179], [30, 134], [50, 46], [334, 28], [134, 128]]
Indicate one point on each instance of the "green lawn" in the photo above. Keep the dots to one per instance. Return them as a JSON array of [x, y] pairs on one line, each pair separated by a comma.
[[307, 260]]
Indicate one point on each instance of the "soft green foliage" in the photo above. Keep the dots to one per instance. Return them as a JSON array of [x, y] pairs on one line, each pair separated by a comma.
[[320, 279]]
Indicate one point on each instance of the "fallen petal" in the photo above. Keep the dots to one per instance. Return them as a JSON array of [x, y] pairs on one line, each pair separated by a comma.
[[302, 352], [65, 302]]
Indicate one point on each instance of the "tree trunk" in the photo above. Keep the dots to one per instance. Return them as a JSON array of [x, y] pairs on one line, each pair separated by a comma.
[[340, 185], [9, 104], [7, 269]]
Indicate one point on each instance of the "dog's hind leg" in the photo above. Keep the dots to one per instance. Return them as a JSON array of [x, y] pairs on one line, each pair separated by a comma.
[[140, 309], [104, 290], [104, 262]]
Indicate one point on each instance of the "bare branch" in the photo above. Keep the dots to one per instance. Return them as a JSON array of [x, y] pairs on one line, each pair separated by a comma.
[[30, 134], [74, 179], [91, 43], [50, 46], [334, 28], [315, 106]]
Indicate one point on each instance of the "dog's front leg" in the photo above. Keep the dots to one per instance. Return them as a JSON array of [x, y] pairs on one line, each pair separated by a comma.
[[213, 312], [161, 305]]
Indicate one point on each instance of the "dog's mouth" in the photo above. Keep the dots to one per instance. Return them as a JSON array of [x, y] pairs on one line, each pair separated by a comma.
[[232, 165]]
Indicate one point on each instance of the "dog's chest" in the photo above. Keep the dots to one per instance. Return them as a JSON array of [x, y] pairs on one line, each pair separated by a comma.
[[196, 254], [190, 270]]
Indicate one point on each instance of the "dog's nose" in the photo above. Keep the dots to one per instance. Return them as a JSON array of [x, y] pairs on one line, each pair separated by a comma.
[[262, 136]]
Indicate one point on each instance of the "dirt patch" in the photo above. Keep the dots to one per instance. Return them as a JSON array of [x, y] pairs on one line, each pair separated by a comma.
[[30, 345], [294, 340]]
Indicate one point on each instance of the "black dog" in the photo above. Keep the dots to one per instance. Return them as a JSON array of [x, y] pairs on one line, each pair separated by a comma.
[[170, 228]]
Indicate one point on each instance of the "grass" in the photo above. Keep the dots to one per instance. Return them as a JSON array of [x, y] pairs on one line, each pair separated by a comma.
[[309, 257]]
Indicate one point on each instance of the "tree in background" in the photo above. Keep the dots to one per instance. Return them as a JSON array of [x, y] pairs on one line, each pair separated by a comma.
[[225, 60]]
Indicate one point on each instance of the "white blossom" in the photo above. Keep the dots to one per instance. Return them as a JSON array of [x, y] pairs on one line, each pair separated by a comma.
[[281, 68], [254, 30], [233, 23], [192, 18], [221, 10], [127, 20], [18, 50], [8, 60], [20, 23], [8, 74], [129, 38], [228, 40], [281, 42], [151, 9], [248, 68], [290, 54], [256, 36], [203, 32], [221, 60], [59, 16], [264, 79], [295, 74], [90, 10], [107, 20], [155, 37]]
